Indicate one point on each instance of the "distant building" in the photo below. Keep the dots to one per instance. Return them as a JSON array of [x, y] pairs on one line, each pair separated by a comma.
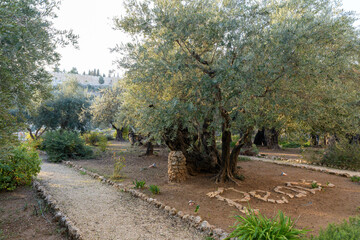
[[59, 78]]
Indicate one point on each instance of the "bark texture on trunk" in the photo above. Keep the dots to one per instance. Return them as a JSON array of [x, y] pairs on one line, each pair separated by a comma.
[[119, 133], [228, 165], [272, 138], [260, 138], [149, 149], [196, 160], [37, 133], [314, 140]]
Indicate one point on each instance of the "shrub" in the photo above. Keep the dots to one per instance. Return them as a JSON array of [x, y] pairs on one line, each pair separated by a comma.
[[118, 166], [343, 155], [355, 179], [259, 227], [348, 230], [103, 142], [313, 156], [96, 139], [109, 137], [19, 167], [154, 189], [62, 145], [91, 138], [36, 143], [139, 184], [289, 145]]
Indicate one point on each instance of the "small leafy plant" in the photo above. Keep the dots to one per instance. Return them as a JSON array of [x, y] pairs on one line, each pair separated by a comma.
[[314, 185], [103, 142], [197, 208], [240, 177], [258, 227], [154, 189], [118, 166], [355, 179], [139, 184]]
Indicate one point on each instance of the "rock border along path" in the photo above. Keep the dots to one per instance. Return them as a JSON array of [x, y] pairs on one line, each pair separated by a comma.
[[92, 209], [334, 171]]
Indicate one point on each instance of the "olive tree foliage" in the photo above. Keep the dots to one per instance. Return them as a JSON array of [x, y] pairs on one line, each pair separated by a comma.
[[67, 109], [107, 109], [28, 43], [199, 69]]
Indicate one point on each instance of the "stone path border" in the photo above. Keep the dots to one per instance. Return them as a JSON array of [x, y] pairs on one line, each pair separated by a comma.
[[193, 221], [62, 219], [338, 172]]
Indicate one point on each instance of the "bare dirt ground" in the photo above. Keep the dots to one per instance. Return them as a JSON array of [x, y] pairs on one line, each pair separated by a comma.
[[312, 212], [21, 217], [100, 211]]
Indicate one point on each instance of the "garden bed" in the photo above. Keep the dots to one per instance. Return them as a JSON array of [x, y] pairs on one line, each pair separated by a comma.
[[313, 211]]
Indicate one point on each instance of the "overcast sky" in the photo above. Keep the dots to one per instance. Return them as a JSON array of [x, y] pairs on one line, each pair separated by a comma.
[[92, 21]]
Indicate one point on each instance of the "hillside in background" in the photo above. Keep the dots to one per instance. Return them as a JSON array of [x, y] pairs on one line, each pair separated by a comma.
[[59, 77]]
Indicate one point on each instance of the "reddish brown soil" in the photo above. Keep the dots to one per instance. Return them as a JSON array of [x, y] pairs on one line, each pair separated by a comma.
[[20, 220], [311, 212]]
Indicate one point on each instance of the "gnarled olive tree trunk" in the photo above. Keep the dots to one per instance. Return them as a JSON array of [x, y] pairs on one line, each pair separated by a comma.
[[315, 140], [260, 138], [149, 149], [272, 138], [119, 133], [196, 160]]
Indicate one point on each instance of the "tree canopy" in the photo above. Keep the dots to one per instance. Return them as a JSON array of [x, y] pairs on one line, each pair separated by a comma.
[[107, 109], [199, 68], [28, 44]]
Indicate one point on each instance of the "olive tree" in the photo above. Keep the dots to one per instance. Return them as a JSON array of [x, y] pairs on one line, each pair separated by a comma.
[[28, 44], [198, 69], [106, 108]]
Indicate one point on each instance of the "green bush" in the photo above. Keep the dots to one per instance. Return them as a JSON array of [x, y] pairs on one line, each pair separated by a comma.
[[119, 164], [103, 142], [91, 138], [36, 143], [96, 139], [348, 230], [312, 155], [258, 227], [109, 137], [62, 145], [355, 179], [19, 167], [343, 155], [289, 145]]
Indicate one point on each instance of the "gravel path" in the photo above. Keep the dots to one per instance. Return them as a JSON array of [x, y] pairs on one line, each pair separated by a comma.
[[102, 212], [346, 173]]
